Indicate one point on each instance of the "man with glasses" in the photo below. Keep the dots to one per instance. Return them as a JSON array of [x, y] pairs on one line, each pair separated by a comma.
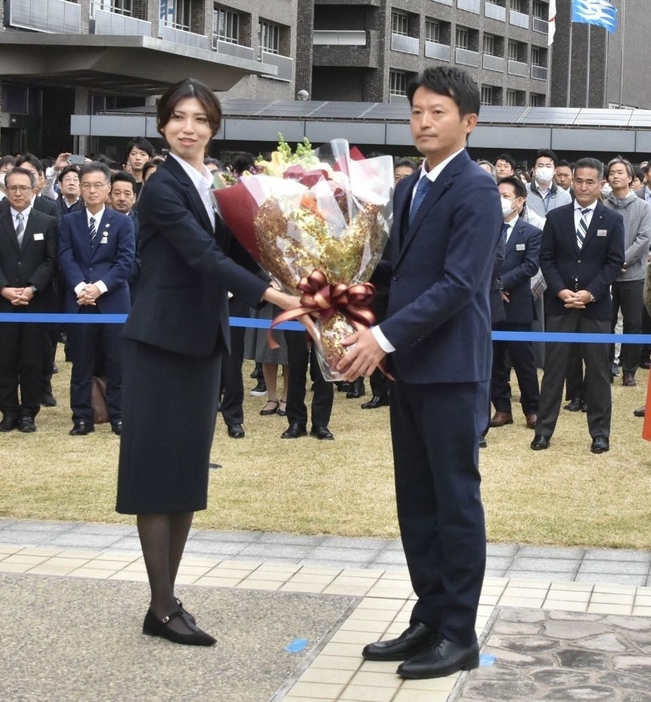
[[96, 256], [28, 241]]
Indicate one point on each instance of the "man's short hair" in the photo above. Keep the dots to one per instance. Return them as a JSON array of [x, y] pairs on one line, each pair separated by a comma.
[[142, 144], [546, 153], [452, 82], [33, 160], [619, 160], [405, 163], [210, 161], [508, 158], [64, 172], [152, 163], [20, 171], [483, 162], [518, 185], [7, 160], [590, 163], [123, 176], [562, 163], [95, 167]]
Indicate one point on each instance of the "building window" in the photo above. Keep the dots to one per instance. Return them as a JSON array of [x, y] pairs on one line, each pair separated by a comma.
[[462, 38], [227, 25], [400, 22], [538, 56], [512, 98], [398, 83], [486, 94], [176, 13], [433, 31], [518, 6], [119, 7], [270, 37], [489, 44], [517, 51], [540, 10], [536, 100]]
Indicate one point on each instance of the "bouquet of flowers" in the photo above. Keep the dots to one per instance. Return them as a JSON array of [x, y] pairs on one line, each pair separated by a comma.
[[317, 222]]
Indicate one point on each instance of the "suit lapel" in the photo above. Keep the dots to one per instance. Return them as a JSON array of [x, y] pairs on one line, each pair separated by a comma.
[[7, 223], [199, 209], [514, 238], [595, 224], [30, 228]]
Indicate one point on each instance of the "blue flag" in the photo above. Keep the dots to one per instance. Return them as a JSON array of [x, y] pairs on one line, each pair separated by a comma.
[[599, 12]]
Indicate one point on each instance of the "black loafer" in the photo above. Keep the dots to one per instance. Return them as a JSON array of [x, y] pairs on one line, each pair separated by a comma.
[[294, 431], [26, 425], [81, 429], [376, 401], [48, 400], [540, 442], [116, 427], [640, 411], [236, 431], [321, 433], [9, 424], [413, 640], [574, 405], [441, 660], [152, 626], [599, 444]]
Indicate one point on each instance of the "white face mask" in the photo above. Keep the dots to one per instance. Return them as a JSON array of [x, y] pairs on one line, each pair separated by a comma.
[[507, 206], [606, 190], [544, 174]]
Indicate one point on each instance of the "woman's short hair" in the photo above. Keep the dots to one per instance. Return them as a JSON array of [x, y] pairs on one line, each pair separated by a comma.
[[189, 88]]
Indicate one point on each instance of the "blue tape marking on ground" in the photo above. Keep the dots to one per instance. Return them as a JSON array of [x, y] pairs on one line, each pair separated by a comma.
[[487, 659], [295, 326], [297, 645]]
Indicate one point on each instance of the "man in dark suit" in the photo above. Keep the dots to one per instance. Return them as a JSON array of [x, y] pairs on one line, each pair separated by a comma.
[[521, 259], [582, 252], [28, 241], [447, 223], [40, 202], [97, 257]]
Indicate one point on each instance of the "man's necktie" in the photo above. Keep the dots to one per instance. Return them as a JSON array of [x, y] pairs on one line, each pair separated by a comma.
[[421, 191], [92, 231], [582, 229], [505, 231], [20, 228]]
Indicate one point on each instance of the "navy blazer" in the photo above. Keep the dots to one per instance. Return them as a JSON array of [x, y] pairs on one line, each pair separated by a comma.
[[110, 259], [521, 263], [182, 301], [594, 267], [441, 269]]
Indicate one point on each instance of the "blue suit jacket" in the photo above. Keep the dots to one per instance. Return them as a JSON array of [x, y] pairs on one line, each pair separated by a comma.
[[439, 315], [521, 263], [594, 267], [110, 260]]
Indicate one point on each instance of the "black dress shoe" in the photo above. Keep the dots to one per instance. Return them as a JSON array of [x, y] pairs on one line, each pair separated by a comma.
[[376, 401], [185, 613], [441, 660], [574, 405], [599, 444], [9, 423], [236, 431], [640, 411], [357, 390], [294, 431], [646, 364], [628, 379], [116, 427], [48, 400], [482, 442], [321, 433], [540, 442], [413, 640], [153, 626], [82, 428], [26, 425]]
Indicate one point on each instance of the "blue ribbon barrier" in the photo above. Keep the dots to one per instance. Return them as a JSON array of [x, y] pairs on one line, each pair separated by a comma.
[[574, 337]]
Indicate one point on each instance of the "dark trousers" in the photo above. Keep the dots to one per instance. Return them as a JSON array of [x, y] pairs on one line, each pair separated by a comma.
[[574, 381], [87, 342], [300, 357], [434, 430], [521, 355], [232, 382], [21, 365], [628, 297], [645, 349], [379, 384], [597, 374]]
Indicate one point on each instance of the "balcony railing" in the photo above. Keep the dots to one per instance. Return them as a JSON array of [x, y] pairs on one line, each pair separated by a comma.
[[408, 45], [444, 2], [466, 58], [519, 19], [539, 25], [285, 65], [53, 16], [442, 52], [334, 37], [496, 12], [493, 63], [399, 99], [469, 5], [180, 36], [518, 68], [539, 72], [106, 22], [226, 47]]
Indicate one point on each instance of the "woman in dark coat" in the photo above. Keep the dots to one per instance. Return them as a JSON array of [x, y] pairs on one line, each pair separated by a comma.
[[176, 336]]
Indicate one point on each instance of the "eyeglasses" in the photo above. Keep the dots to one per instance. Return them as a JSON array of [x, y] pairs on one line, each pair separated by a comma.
[[93, 186], [19, 188]]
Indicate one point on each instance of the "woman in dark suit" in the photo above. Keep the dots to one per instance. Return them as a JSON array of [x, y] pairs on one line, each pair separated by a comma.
[[176, 336]]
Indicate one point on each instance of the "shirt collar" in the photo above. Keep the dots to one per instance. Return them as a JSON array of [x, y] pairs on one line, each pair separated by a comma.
[[24, 212], [97, 217], [438, 169], [202, 180], [592, 207]]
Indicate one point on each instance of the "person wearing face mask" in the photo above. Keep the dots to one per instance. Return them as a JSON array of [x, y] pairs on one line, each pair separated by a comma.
[[521, 256], [545, 195]]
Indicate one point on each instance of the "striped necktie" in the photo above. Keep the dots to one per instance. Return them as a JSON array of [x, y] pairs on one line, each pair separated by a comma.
[[92, 231], [421, 192], [582, 229], [20, 228], [505, 231]]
